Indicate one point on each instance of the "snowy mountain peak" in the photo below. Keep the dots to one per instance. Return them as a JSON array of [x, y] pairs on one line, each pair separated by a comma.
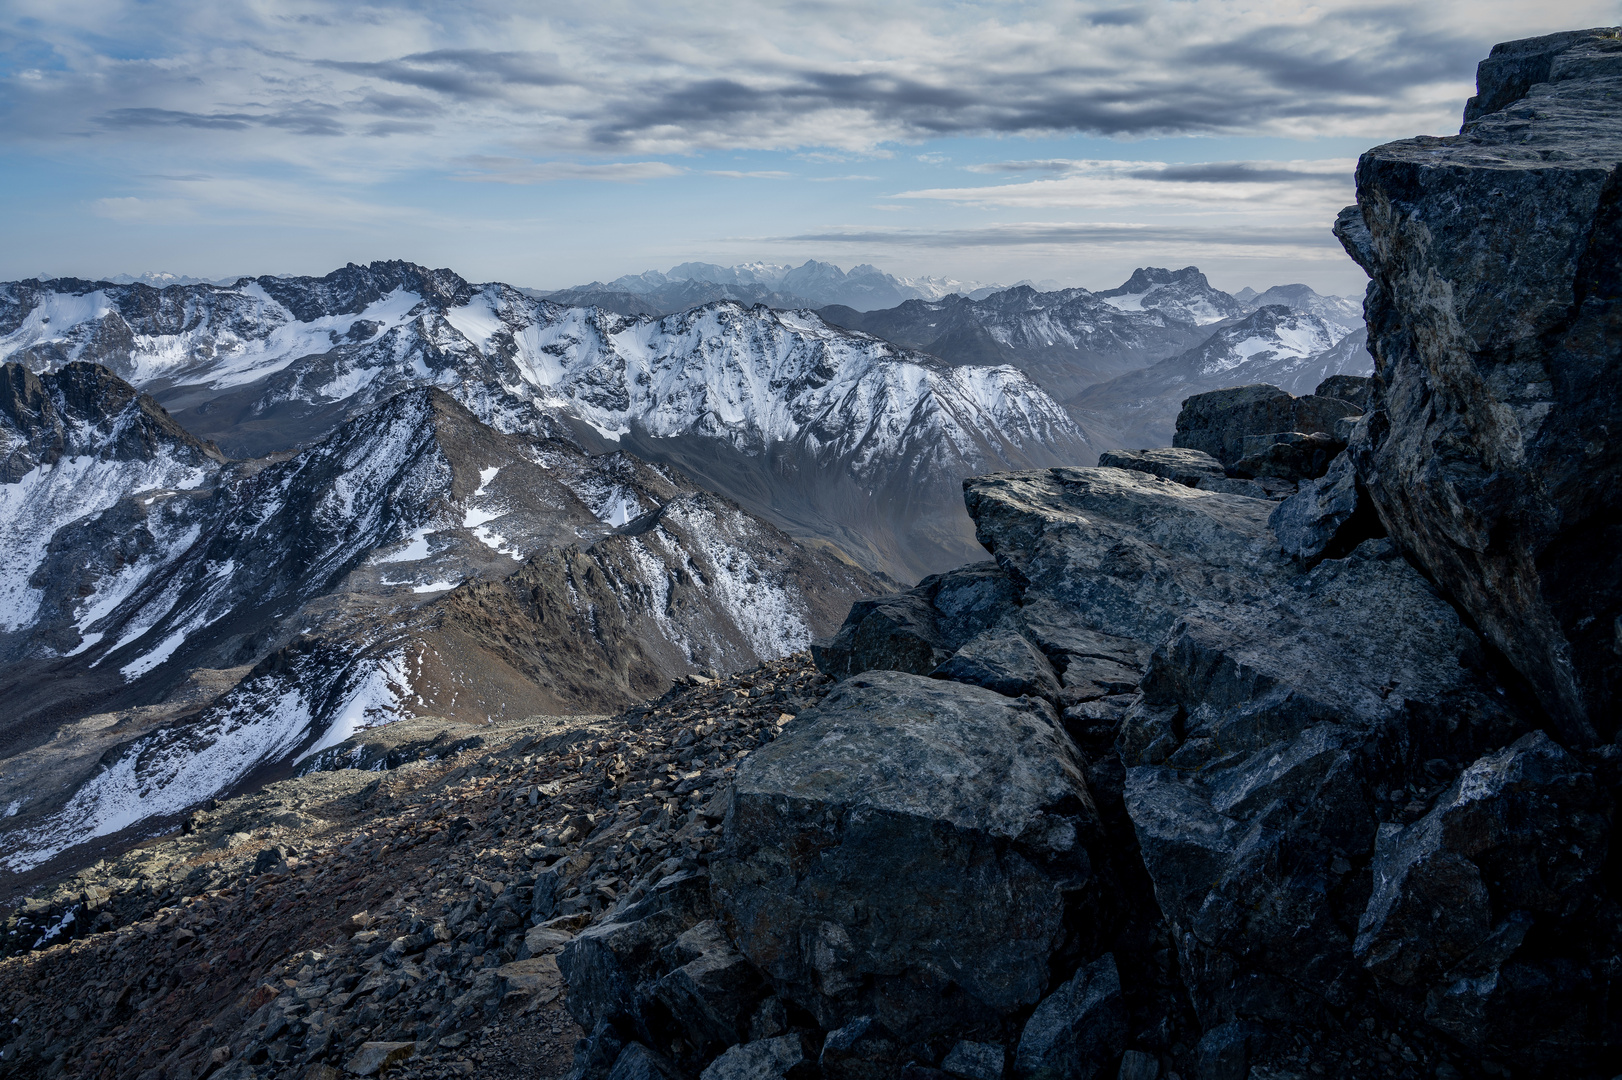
[[811, 284], [1145, 278], [1181, 294], [1338, 311], [85, 410]]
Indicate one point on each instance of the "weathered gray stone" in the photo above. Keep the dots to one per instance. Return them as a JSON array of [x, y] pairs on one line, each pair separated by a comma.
[[270, 861], [711, 990], [861, 1050], [896, 633], [1251, 759], [611, 967], [1179, 465], [596, 1054], [374, 1057], [1308, 522], [1138, 1065], [767, 1059], [904, 851], [917, 630], [637, 1062], [1495, 318], [1224, 1052], [1218, 422], [1191, 468], [1522, 829], [1355, 389], [1001, 659], [975, 1060], [1288, 455], [1077, 1030]]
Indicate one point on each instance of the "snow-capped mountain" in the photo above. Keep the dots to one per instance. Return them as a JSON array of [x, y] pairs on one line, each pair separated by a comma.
[[812, 284], [1071, 339], [1293, 350], [670, 297], [799, 420], [160, 279], [1184, 295], [1338, 311], [414, 561], [1063, 340], [75, 443]]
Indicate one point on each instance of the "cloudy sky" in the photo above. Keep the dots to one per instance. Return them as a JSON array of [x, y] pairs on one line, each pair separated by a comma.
[[550, 144]]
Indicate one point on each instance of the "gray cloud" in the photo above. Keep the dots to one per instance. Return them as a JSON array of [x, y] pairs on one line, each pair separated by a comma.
[[668, 79], [315, 120], [1239, 172], [1056, 166], [465, 74], [1119, 17], [1031, 234]]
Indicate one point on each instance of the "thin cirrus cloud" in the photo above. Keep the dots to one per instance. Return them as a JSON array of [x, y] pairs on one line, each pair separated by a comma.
[[1064, 234], [505, 170], [1312, 187]]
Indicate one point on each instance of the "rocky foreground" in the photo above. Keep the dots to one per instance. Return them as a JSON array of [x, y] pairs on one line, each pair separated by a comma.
[[401, 904]]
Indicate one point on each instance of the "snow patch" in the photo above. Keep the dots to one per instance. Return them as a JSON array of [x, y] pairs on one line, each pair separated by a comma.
[[416, 548]]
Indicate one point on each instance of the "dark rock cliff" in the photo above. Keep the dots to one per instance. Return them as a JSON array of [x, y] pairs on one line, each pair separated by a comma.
[[1495, 317]]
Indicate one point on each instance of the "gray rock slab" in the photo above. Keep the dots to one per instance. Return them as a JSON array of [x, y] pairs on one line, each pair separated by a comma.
[[903, 851]]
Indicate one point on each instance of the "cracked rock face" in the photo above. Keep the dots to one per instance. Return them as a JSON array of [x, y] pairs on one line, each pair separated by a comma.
[[1496, 322], [907, 850]]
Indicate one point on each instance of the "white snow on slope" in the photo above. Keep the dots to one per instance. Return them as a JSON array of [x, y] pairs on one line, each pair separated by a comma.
[[748, 377], [48, 497], [170, 769]]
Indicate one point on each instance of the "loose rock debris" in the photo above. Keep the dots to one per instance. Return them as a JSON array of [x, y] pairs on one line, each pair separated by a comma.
[[402, 922]]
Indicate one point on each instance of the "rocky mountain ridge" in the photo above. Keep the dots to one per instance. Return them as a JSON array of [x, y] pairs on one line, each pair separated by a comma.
[[799, 421], [1121, 360], [188, 621], [1290, 348]]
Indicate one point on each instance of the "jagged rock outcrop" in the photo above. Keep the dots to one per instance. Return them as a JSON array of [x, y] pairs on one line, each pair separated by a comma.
[[1359, 770], [1224, 423], [925, 871], [1495, 319]]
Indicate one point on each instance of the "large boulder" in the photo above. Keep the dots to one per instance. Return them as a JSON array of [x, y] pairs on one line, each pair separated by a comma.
[[1495, 317], [1512, 844], [911, 850], [1218, 422], [1193, 468], [1078, 1030], [1261, 759], [614, 967], [918, 630], [1326, 516]]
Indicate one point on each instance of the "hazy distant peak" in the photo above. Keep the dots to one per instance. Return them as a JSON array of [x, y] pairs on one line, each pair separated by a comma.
[[1146, 278], [160, 279], [813, 284]]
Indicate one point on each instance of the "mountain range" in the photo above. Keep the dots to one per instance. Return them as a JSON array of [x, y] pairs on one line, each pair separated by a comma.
[[832, 435], [812, 284], [175, 620], [241, 521]]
